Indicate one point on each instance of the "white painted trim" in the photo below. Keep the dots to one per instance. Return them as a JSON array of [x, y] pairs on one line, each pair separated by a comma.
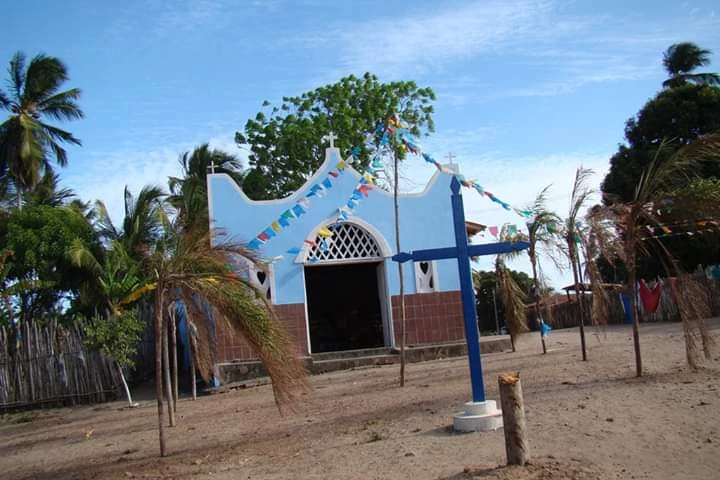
[[433, 273], [385, 306], [379, 238], [307, 315], [322, 170]]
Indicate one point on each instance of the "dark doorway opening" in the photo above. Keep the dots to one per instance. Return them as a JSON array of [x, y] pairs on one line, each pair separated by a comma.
[[343, 303]]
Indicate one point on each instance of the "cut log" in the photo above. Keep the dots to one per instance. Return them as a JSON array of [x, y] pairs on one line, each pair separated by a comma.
[[513, 412]]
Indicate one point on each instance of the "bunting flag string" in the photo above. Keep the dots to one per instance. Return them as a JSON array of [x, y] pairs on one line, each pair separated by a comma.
[[300, 208]]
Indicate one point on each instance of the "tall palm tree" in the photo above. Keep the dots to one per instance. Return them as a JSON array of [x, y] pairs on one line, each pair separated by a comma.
[[680, 59], [580, 195], [188, 194], [27, 142], [541, 234]]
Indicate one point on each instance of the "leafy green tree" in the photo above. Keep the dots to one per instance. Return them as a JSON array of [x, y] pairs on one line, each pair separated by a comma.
[[37, 239], [27, 141], [680, 59], [117, 335], [284, 142], [674, 118], [188, 194]]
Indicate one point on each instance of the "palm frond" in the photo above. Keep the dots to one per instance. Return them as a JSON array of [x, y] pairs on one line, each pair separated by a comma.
[[17, 74], [62, 106], [513, 300]]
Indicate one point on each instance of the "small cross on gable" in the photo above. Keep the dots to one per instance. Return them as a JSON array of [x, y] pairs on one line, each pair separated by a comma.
[[330, 137], [212, 166], [450, 156]]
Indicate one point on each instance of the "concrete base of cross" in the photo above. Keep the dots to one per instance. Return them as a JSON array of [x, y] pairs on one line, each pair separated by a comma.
[[478, 417]]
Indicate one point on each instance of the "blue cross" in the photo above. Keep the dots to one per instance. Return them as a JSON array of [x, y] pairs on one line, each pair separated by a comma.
[[462, 251]]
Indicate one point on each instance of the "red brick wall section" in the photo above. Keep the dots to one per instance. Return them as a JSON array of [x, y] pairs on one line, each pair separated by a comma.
[[430, 318], [233, 347]]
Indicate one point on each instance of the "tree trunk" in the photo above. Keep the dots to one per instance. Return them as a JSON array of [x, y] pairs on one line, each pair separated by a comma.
[[401, 275], [192, 376], [166, 374], [636, 319], [173, 348], [538, 317], [513, 412], [575, 261], [158, 366], [125, 385]]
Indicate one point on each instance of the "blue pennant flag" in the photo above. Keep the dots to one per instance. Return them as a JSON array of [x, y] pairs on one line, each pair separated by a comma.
[[293, 250], [327, 183], [254, 244]]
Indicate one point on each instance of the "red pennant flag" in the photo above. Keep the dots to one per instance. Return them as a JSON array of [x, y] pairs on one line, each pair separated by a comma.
[[333, 174], [311, 243]]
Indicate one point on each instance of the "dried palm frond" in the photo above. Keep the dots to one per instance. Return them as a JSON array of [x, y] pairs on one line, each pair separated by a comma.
[[694, 305], [513, 301]]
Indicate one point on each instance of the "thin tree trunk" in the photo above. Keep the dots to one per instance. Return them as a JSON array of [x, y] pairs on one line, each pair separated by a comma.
[[192, 376], [401, 275], [514, 425], [173, 348], [575, 260], [538, 317], [636, 319], [18, 197], [166, 374], [125, 385], [158, 367]]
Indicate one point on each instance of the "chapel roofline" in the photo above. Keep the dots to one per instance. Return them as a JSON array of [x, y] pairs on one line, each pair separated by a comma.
[[324, 167]]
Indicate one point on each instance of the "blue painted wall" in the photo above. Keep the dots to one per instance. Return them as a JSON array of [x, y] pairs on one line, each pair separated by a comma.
[[426, 222]]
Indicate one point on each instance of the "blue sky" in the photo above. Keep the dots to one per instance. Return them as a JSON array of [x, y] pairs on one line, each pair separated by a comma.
[[526, 90]]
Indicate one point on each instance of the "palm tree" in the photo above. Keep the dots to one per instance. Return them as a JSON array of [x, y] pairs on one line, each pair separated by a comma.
[[680, 59], [187, 269], [660, 181], [142, 226], [26, 141], [580, 194], [541, 234], [188, 194]]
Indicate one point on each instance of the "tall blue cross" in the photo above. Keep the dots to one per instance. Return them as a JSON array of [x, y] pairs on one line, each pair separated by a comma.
[[462, 251]]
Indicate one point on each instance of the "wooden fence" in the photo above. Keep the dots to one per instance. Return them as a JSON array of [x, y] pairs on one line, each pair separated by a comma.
[[50, 366]]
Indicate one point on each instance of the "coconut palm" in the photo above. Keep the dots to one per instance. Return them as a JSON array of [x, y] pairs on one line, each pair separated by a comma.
[[27, 142], [142, 226], [541, 235], [188, 194], [187, 269], [580, 195], [680, 59]]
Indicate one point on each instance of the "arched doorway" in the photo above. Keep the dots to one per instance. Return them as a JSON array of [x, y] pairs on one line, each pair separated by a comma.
[[346, 291]]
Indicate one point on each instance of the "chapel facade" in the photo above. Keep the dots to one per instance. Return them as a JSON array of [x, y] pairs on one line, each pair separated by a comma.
[[328, 271]]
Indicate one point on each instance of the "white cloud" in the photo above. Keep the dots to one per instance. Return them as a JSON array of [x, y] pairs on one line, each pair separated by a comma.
[[109, 173]]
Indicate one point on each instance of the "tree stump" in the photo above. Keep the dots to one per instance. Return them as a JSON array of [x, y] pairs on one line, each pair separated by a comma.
[[513, 412]]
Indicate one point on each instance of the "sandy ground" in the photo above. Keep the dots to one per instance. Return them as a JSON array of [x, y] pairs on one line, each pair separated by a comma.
[[586, 420]]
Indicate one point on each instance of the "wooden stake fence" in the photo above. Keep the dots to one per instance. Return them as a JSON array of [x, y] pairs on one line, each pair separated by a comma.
[[50, 366]]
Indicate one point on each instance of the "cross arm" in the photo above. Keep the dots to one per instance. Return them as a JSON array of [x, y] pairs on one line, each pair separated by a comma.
[[495, 248]]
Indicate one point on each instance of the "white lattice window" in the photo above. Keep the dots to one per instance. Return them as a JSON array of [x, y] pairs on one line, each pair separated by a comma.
[[348, 242], [258, 274], [425, 277]]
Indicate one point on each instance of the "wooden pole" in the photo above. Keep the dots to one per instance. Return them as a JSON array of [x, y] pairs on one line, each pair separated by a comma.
[[513, 411]]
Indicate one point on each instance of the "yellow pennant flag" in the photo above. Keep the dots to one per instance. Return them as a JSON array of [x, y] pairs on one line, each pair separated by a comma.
[[325, 232], [341, 165], [275, 226], [369, 178]]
